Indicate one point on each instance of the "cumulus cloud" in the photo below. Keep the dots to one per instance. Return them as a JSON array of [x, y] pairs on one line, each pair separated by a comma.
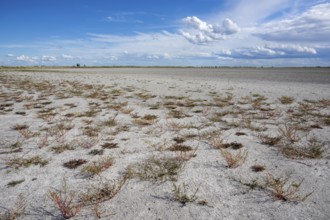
[[311, 25], [48, 58], [200, 32], [27, 59], [269, 51], [10, 55]]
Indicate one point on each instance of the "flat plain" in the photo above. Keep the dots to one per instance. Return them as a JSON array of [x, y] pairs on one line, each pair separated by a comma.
[[164, 143]]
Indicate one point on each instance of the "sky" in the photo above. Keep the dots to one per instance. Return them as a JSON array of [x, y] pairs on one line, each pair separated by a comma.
[[165, 33]]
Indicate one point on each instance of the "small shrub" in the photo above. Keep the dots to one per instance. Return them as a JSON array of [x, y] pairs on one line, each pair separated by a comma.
[[234, 161], [181, 195]]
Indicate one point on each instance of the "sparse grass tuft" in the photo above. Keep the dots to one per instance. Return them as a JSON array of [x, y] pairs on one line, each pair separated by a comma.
[[286, 100], [234, 161], [104, 191], [313, 150], [282, 188], [17, 211], [64, 201], [289, 132], [18, 162], [181, 195], [218, 143], [98, 166], [110, 122], [269, 140], [155, 169]]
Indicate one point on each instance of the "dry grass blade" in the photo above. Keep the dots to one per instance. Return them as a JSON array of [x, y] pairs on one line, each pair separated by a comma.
[[17, 211], [269, 140], [181, 194], [281, 188], [64, 201], [232, 160], [98, 166], [289, 132]]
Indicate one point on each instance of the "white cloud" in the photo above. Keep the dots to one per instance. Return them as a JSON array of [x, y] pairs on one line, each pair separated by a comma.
[[10, 55], [48, 58], [251, 12], [27, 59], [200, 32], [269, 51], [312, 25], [67, 57]]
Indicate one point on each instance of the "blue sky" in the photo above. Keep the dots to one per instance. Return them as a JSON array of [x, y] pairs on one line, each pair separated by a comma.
[[145, 32]]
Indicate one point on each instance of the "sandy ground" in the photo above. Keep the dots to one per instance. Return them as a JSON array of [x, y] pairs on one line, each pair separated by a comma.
[[154, 142]]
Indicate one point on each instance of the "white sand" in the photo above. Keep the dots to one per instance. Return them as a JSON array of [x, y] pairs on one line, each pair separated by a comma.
[[217, 184]]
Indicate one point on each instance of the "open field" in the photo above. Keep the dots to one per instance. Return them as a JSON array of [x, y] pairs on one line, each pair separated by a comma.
[[165, 143]]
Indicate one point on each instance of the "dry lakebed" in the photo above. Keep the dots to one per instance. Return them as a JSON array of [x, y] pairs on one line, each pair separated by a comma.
[[164, 143]]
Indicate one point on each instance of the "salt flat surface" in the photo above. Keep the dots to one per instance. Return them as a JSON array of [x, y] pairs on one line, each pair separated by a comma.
[[61, 115]]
